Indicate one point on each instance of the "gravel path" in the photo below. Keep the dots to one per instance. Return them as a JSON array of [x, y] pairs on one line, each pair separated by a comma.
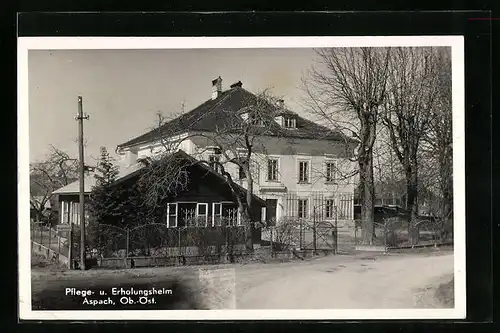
[[333, 282]]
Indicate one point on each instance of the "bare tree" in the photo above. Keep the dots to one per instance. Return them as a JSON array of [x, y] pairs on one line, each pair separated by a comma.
[[409, 112], [438, 141], [346, 89], [55, 171]]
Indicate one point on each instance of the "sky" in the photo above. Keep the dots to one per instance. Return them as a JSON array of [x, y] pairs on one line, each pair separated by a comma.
[[123, 89]]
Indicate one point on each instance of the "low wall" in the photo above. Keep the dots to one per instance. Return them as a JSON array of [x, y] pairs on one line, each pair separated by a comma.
[[261, 253], [158, 261], [44, 251], [170, 256]]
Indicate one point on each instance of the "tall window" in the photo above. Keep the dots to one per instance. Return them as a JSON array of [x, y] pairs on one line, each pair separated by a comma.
[[64, 212], [214, 162], [241, 173], [303, 172], [202, 214], [330, 172], [290, 122], [217, 214], [172, 211], [302, 208], [75, 218], [272, 169], [329, 209]]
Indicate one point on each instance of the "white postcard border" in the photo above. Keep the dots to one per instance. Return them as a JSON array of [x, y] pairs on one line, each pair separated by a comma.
[[72, 43]]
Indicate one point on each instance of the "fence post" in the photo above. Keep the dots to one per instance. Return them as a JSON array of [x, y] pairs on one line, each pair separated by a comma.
[[355, 233], [300, 233], [336, 230], [385, 235], [435, 233], [314, 230], [58, 244], [271, 241], [179, 239], [70, 246], [50, 235]]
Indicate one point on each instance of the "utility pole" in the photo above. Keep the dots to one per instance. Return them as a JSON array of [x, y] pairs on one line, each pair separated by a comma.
[[80, 117]]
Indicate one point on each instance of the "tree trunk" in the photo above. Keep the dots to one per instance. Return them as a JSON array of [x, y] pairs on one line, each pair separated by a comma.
[[412, 201], [446, 188], [367, 193], [247, 217]]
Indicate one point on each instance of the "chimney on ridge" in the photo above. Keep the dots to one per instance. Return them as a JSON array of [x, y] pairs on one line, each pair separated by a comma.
[[216, 87], [237, 84]]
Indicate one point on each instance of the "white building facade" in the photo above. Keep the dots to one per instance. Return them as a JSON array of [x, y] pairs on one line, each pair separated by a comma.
[[301, 175]]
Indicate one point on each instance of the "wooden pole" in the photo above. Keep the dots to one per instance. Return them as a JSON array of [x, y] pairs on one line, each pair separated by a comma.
[[70, 246], [80, 117]]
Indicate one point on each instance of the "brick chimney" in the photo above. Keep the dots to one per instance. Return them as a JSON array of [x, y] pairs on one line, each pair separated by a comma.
[[237, 84], [216, 87]]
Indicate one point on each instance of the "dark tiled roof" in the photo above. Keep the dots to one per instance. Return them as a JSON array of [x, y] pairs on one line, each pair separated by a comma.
[[214, 113], [136, 169]]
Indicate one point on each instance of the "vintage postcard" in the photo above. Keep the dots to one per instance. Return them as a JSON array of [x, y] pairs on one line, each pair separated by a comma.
[[241, 178]]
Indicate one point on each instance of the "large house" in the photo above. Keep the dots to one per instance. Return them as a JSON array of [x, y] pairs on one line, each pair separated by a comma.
[[296, 163]]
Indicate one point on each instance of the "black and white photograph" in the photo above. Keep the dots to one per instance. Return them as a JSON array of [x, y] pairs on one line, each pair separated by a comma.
[[241, 178]]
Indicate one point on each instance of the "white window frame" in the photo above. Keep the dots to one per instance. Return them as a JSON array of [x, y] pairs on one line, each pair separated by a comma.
[[238, 217], [230, 222], [332, 208], [64, 212], [198, 205], [308, 173], [176, 214], [289, 122], [213, 212], [333, 178], [306, 208], [74, 213], [216, 167], [273, 158]]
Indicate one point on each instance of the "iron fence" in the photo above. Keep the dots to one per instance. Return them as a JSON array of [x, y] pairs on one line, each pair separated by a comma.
[[45, 235], [301, 234], [157, 240], [395, 232]]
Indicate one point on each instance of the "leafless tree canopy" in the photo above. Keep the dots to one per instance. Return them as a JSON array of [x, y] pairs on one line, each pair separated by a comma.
[[346, 89], [410, 109], [55, 171]]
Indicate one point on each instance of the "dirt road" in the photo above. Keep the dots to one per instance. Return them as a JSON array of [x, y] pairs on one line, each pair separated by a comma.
[[333, 282], [337, 282]]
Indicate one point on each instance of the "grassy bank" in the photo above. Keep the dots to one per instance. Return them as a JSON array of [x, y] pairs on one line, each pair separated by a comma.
[[445, 293]]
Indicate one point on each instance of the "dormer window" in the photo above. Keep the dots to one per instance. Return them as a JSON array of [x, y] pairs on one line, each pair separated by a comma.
[[214, 162], [289, 122], [214, 158], [255, 119]]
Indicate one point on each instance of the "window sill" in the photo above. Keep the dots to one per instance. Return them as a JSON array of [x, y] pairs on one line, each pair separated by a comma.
[[273, 181], [304, 183]]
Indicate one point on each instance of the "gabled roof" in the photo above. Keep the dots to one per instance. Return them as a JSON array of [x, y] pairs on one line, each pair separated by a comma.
[[135, 169], [90, 181], [213, 113]]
